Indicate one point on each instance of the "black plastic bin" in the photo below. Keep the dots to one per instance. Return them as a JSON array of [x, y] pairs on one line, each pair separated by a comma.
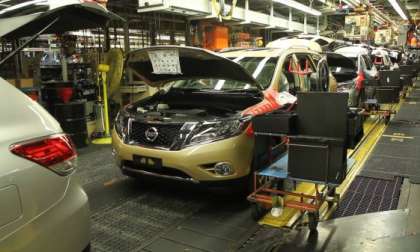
[[354, 129], [388, 94], [277, 122], [71, 117], [317, 160]]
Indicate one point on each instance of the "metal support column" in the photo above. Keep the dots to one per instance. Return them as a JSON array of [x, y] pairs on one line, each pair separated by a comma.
[[152, 31], [317, 26], [188, 41], [172, 32], [290, 20], [305, 24], [271, 14], [17, 63], [246, 11], [107, 40], [127, 36]]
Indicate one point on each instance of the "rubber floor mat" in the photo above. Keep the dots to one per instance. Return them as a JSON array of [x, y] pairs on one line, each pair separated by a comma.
[[397, 151], [409, 111], [367, 195], [129, 226]]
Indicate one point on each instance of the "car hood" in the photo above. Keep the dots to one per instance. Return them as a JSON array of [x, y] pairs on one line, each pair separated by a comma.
[[27, 18], [159, 65]]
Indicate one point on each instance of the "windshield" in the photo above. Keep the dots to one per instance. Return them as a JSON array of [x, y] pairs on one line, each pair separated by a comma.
[[261, 68]]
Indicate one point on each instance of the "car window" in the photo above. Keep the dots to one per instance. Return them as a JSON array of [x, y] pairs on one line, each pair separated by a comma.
[[368, 62], [261, 68], [306, 64], [297, 70], [289, 81], [316, 58], [321, 42]]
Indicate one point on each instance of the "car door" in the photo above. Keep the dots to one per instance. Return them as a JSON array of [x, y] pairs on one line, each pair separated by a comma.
[[369, 69]]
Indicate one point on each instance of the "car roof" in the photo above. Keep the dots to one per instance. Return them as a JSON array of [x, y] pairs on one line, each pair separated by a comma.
[[352, 51], [329, 40], [293, 43], [252, 52], [263, 52]]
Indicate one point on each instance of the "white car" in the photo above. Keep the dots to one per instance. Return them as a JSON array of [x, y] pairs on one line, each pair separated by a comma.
[[42, 207], [321, 43], [358, 78]]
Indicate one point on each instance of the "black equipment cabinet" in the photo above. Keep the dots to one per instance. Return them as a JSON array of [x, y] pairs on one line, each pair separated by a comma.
[[390, 86], [390, 77], [318, 152], [320, 131], [318, 160]]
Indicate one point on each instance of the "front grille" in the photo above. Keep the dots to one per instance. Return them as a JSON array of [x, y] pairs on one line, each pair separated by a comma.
[[167, 133]]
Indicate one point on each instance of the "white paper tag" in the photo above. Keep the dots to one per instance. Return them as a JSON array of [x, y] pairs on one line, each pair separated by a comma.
[[165, 61], [286, 98]]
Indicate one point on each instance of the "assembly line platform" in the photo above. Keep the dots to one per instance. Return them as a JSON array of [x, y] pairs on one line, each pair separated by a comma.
[[380, 210]]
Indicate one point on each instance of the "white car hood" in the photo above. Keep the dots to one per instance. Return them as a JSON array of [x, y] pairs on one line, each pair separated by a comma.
[[28, 18]]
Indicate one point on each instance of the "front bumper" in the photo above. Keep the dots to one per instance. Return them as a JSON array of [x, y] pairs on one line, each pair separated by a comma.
[[65, 227], [193, 163]]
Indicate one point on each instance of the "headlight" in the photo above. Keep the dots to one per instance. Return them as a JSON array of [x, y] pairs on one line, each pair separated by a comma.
[[217, 130], [121, 125]]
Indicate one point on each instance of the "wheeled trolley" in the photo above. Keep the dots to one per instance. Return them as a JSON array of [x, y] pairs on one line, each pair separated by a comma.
[[316, 137]]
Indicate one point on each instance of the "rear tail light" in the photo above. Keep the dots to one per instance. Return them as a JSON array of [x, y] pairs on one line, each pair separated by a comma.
[[55, 152]]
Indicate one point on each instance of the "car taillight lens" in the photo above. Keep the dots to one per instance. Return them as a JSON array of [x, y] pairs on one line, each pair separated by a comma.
[[56, 153]]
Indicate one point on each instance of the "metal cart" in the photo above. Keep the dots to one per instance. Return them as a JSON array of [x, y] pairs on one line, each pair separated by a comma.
[[264, 193]]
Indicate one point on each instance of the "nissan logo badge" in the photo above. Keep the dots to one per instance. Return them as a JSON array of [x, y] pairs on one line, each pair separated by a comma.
[[151, 134]]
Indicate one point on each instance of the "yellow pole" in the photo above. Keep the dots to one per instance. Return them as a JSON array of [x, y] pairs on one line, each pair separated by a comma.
[[103, 69]]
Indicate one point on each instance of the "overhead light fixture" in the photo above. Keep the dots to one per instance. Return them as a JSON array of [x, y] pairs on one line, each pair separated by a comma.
[[398, 9], [299, 6]]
